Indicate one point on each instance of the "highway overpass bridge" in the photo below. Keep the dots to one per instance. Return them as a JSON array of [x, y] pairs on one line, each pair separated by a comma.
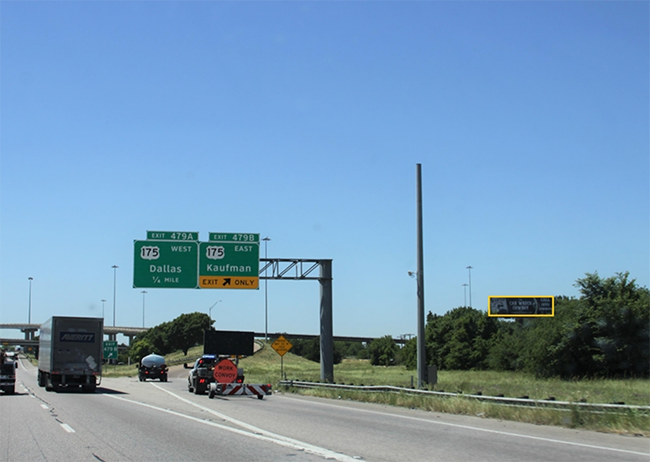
[[30, 331]]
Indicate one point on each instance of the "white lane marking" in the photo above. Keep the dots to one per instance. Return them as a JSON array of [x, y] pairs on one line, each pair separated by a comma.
[[467, 427], [259, 434], [45, 406], [67, 428]]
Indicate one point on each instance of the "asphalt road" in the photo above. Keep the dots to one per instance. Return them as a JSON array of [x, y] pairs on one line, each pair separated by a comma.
[[128, 420]]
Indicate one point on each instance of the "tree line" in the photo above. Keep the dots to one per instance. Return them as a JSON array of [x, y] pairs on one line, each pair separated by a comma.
[[605, 332]]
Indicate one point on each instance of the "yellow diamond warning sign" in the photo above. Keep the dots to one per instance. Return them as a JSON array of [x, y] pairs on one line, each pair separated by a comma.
[[228, 282], [281, 345]]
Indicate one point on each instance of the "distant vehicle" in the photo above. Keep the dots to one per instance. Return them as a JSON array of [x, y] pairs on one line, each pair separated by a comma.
[[152, 367], [7, 373], [70, 353]]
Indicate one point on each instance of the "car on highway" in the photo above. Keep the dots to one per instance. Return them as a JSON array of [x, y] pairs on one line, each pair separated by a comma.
[[152, 367]]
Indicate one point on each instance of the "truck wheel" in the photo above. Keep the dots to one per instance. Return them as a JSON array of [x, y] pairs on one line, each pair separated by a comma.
[[260, 396], [42, 380]]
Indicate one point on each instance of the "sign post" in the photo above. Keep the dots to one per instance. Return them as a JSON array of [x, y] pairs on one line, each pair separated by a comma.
[[281, 347]]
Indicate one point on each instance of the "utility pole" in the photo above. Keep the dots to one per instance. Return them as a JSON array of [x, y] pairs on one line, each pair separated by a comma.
[[115, 267], [421, 352], [469, 268]]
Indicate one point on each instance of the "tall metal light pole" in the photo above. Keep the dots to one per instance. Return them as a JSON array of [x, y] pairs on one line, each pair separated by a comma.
[[469, 268], [143, 293], [115, 267], [29, 310], [210, 309], [421, 351], [465, 290], [266, 294], [103, 301]]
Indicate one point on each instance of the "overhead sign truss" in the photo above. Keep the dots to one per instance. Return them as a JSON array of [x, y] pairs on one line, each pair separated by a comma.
[[289, 268]]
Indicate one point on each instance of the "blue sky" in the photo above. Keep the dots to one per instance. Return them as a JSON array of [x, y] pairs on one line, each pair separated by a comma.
[[304, 122]]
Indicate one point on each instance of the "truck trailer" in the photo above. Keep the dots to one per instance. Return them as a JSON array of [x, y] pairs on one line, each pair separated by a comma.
[[70, 353]]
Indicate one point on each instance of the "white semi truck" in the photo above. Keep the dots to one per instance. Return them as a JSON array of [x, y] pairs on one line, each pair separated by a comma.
[[70, 353]]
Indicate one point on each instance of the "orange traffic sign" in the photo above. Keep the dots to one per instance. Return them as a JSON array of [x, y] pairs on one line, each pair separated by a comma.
[[225, 371], [281, 345], [229, 282]]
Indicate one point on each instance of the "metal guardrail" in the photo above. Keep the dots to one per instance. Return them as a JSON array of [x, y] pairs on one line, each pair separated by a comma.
[[521, 402]]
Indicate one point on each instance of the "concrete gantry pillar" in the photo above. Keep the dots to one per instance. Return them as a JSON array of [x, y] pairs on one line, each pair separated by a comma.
[[326, 329]]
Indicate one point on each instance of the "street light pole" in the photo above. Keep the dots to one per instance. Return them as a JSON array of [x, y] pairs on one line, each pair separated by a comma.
[[115, 267], [266, 293], [469, 268], [465, 290], [210, 309], [29, 311], [103, 301], [143, 292], [421, 347]]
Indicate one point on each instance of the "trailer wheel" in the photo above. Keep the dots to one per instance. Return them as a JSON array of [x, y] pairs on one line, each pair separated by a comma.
[[260, 396]]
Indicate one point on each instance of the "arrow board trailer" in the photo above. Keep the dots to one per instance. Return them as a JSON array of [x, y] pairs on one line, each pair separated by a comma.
[[228, 379], [239, 389]]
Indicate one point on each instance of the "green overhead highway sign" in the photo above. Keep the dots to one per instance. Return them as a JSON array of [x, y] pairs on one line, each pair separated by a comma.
[[165, 264], [229, 265], [177, 260]]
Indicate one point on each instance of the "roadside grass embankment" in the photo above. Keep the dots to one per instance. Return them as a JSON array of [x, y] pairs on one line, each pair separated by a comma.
[[264, 367]]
